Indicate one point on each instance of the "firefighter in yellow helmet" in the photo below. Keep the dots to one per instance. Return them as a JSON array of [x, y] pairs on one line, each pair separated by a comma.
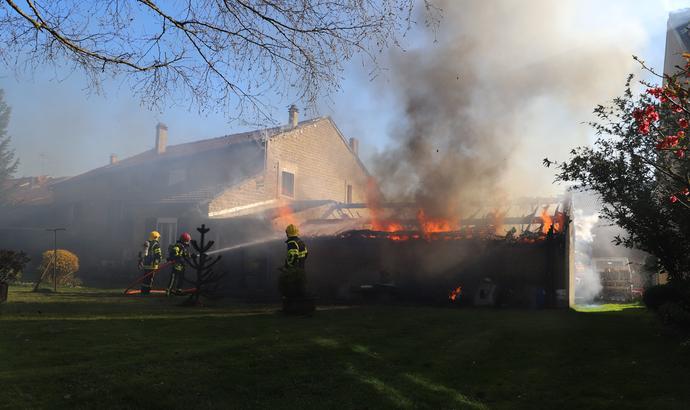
[[296, 249], [149, 259], [293, 278]]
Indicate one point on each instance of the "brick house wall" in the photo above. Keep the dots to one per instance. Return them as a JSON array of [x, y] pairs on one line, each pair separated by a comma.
[[322, 164]]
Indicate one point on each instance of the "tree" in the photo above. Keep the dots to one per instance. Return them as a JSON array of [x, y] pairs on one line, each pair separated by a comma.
[[206, 281], [8, 162], [12, 264], [220, 53], [639, 167], [66, 267]]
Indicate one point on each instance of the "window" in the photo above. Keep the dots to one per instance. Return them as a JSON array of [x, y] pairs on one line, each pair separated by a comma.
[[287, 184], [167, 227], [348, 195]]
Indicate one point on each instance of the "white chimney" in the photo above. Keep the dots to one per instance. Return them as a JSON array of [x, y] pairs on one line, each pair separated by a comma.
[[113, 159], [354, 145], [161, 137], [293, 116]]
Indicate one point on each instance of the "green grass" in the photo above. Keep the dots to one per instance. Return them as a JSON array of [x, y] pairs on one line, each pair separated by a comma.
[[609, 307], [96, 349]]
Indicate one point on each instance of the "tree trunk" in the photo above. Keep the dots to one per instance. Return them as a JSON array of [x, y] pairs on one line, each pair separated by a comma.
[[40, 278]]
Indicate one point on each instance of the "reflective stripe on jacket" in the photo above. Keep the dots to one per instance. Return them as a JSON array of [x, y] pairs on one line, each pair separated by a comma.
[[153, 256], [296, 252], [176, 254]]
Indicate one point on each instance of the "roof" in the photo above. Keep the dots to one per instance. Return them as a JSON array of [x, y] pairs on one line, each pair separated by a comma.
[[331, 218], [197, 147], [32, 190]]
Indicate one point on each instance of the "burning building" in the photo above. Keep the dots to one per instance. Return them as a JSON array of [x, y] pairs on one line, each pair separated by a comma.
[[230, 183], [521, 255], [247, 187]]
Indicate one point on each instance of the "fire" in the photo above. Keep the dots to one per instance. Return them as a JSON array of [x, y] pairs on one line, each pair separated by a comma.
[[284, 216], [434, 225], [455, 293], [374, 200], [385, 226], [547, 221], [557, 221]]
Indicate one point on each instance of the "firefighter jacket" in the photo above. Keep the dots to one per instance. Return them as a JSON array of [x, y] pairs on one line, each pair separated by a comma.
[[176, 255], [152, 254], [296, 253]]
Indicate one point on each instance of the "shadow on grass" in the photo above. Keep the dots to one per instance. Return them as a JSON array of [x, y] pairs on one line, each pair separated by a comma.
[[353, 359]]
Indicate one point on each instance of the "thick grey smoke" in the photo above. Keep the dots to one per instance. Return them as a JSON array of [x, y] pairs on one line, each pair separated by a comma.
[[506, 84], [588, 282]]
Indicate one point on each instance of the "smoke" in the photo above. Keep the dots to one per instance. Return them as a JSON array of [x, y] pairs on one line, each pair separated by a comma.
[[504, 86], [588, 282]]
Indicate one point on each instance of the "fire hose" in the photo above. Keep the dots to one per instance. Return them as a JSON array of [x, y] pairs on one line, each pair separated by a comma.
[[128, 289]]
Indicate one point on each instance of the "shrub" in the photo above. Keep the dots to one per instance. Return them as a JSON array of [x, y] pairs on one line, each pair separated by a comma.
[[671, 302], [67, 267], [675, 313], [654, 297], [12, 263]]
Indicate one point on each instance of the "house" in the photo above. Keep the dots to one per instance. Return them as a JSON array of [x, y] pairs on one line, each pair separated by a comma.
[[235, 184], [677, 40]]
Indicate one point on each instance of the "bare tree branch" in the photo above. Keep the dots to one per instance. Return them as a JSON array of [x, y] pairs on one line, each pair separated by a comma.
[[230, 55]]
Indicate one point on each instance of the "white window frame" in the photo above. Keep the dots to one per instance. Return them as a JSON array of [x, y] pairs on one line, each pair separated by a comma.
[[167, 238], [292, 169]]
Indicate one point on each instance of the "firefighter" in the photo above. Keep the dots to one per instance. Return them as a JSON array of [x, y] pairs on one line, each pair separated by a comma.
[[296, 249], [176, 254], [293, 278], [149, 259]]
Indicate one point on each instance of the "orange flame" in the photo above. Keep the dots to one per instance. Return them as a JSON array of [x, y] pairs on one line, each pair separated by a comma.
[[455, 293], [434, 225], [547, 221], [557, 221], [386, 226], [374, 199], [284, 217]]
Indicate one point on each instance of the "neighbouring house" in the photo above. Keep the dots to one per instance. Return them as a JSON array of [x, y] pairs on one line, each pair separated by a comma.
[[677, 40], [236, 184]]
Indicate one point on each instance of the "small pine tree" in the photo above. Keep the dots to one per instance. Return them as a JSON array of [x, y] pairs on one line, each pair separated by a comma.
[[8, 162], [207, 281]]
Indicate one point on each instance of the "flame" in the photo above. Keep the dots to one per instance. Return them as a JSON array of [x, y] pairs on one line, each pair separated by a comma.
[[455, 293], [547, 221], [557, 221], [434, 225], [284, 217], [386, 226], [374, 199]]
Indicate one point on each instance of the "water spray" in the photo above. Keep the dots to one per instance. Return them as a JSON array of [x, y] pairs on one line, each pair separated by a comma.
[[242, 245]]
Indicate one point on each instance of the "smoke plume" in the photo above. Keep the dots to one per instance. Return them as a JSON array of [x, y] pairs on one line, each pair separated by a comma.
[[588, 283], [506, 84]]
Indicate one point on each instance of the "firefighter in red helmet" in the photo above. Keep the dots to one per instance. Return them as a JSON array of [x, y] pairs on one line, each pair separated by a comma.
[[176, 254]]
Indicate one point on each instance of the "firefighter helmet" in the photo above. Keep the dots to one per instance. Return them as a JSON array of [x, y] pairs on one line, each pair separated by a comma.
[[154, 235], [291, 230], [185, 237]]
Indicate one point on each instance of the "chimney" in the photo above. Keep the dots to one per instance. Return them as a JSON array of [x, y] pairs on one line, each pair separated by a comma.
[[161, 137], [354, 146], [113, 159], [293, 116]]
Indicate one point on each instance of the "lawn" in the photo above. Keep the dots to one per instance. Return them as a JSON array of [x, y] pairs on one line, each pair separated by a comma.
[[96, 349]]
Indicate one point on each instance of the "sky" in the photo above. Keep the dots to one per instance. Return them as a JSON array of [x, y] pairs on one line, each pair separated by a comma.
[[59, 127]]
